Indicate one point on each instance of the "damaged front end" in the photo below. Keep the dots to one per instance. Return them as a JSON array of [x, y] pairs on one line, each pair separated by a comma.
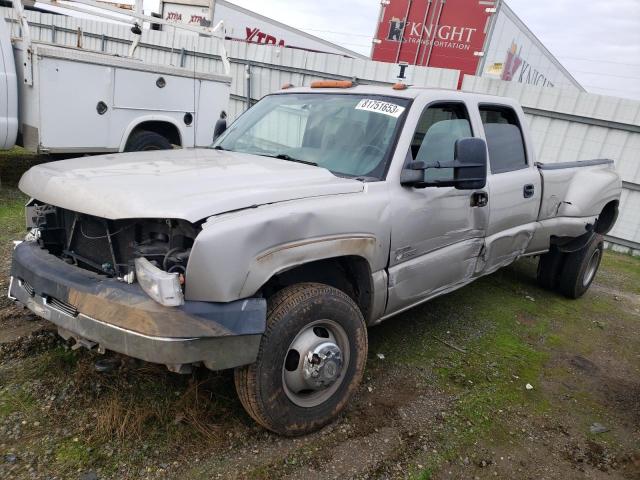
[[118, 285], [111, 247]]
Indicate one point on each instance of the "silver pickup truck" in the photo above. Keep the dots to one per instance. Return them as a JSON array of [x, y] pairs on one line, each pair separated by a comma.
[[319, 212]]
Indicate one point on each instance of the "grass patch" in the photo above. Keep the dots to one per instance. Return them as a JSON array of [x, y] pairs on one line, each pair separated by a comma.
[[621, 271], [16, 152], [15, 400], [44, 364], [72, 454], [14, 162], [12, 224]]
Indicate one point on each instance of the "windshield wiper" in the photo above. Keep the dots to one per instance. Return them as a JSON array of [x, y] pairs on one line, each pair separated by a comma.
[[364, 178], [284, 156], [218, 147]]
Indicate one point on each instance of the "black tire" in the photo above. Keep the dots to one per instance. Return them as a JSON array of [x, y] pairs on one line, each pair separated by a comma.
[[549, 268], [144, 140], [261, 386], [580, 269]]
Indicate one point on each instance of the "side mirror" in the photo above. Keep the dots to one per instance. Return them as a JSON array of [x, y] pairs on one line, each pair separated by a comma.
[[221, 125], [469, 167]]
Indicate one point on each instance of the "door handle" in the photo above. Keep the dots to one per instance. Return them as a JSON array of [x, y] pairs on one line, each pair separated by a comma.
[[479, 199], [528, 190]]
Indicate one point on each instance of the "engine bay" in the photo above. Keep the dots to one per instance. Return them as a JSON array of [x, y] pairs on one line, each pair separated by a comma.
[[110, 247]]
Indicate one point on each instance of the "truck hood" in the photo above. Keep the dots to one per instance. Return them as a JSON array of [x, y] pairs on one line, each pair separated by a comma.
[[184, 184]]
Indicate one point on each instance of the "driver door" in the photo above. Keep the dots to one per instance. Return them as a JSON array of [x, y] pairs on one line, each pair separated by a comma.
[[437, 235]]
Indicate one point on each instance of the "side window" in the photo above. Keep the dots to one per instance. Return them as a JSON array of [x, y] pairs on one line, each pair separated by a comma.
[[504, 138], [438, 129]]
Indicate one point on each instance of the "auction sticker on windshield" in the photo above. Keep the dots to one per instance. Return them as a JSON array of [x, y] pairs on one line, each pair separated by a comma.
[[379, 106]]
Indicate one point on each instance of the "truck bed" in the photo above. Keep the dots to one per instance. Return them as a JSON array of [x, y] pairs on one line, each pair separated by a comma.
[[569, 188]]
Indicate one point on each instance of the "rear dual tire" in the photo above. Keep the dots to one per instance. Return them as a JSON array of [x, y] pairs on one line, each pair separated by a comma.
[[571, 274]]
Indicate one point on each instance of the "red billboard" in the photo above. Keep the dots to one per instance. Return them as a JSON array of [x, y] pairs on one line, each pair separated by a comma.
[[435, 33]]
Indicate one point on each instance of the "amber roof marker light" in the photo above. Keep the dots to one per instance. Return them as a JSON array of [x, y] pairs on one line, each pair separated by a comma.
[[332, 84], [400, 86]]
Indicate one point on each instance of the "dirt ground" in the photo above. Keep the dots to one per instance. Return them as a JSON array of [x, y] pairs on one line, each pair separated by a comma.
[[497, 380]]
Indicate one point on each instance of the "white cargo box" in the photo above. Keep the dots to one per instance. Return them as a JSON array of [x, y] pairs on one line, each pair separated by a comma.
[[91, 102]]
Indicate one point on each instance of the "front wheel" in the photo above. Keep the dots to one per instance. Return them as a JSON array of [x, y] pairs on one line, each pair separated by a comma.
[[311, 360]]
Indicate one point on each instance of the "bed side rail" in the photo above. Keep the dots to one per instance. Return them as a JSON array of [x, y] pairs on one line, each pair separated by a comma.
[[578, 163]]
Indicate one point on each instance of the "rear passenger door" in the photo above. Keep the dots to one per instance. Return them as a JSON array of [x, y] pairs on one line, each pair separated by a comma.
[[514, 188]]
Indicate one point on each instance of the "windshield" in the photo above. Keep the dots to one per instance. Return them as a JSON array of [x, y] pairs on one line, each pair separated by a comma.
[[347, 134]]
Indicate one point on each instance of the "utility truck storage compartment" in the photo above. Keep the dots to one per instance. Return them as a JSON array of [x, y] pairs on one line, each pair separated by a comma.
[[90, 102]]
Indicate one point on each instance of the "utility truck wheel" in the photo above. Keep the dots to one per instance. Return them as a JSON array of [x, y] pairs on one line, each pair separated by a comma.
[[311, 360], [580, 269], [145, 140], [549, 268]]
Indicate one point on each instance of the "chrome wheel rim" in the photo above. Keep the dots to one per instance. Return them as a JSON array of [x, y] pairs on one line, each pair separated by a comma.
[[315, 363], [592, 267]]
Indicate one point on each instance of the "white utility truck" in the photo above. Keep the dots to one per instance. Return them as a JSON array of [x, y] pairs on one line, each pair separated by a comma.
[[58, 99]]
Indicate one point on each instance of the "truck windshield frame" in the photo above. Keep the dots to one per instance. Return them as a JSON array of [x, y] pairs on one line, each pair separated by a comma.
[[352, 135]]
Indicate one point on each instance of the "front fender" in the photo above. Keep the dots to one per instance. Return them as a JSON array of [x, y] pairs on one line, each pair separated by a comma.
[[237, 253], [289, 255]]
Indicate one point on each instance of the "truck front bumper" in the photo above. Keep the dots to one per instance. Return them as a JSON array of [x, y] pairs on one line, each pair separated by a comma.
[[112, 315]]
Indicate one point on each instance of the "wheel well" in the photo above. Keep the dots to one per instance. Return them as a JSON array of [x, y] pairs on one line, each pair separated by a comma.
[[607, 217], [166, 129], [351, 274]]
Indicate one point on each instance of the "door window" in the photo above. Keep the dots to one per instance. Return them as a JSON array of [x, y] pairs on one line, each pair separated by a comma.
[[434, 140], [504, 138]]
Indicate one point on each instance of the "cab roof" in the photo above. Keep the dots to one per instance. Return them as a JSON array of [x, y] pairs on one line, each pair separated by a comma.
[[410, 92]]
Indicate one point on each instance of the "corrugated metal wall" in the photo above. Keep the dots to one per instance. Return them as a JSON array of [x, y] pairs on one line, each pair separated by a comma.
[[569, 125], [270, 67]]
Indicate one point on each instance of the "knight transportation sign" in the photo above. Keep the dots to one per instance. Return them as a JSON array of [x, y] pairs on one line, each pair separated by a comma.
[[477, 37]]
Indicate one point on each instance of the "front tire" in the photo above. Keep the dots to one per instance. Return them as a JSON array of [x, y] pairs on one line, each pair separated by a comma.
[[580, 269], [311, 360]]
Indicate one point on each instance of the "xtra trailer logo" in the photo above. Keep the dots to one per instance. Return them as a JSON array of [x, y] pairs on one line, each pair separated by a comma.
[[528, 74], [447, 36], [191, 19], [254, 35]]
